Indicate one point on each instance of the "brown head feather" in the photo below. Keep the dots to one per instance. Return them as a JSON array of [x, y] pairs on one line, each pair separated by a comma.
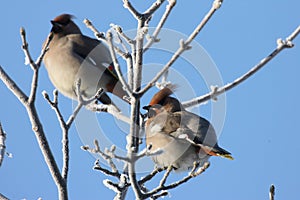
[[160, 96], [63, 18]]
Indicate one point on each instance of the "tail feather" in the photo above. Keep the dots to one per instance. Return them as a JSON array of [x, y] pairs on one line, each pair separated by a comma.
[[217, 151]]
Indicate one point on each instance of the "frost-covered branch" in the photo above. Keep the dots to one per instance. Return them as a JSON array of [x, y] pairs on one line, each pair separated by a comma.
[[127, 4], [272, 192], [34, 65], [129, 57], [184, 45], [281, 44], [107, 155], [153, 38], [65, 126], [194, 173], [117, 66], [149, 12], [151, 175], [2, 144], [98, 35], [114, 173], [29, 104]]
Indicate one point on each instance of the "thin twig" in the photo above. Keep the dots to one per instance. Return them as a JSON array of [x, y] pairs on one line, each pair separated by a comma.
[[184, 45], [74, 114], [134, 12], [65, 126], [114, 173], [113, 186], [117, 66], [28, 58], [281, 44], [54, 106], [2, 144], [272, 192], [34, 65], [128, 57], [13, 87], [153, 37], [146, 152], [177, 183], [119, 32], [161, 194], [148, 13], [107, 155], [98, 35], [166, 175], [151, 175], [44, 49]]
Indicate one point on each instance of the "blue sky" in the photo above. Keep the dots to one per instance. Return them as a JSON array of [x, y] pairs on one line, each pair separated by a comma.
[[261, 126]]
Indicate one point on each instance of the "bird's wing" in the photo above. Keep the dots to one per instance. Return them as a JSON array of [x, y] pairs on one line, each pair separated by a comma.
[[200, 132], [203, 132], [90, 49]]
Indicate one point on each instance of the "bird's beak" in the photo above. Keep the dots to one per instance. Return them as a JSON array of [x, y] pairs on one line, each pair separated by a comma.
[[54, 23], [56, 27], [146, 107]]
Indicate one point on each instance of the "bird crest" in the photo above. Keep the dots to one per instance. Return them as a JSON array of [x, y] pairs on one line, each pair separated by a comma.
[[63, 19], [160, 96]]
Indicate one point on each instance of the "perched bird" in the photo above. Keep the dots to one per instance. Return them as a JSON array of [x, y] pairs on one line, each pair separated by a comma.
[[182, 136], [72, 56]]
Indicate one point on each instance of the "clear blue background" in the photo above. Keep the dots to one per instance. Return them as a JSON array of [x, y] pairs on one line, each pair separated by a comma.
[[262, 121]]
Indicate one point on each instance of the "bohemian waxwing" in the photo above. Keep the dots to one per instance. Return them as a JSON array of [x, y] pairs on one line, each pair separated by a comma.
[[182, 136], [72, 55]]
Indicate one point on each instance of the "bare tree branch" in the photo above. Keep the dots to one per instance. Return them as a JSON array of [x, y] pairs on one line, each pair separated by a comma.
[[153, 38], [118, 39], [119, 30], [132, 144], [161, 194], [149, 12], [2, 144], [133, 141], [126, 55], [37, 126], [281, 44], [13, 87], [107, 155], [166, 175], [151, 175], [97, 34], [129, 57], [272, 192], [34, 65], [117, 66], [65, 126], [114, 173], [184, 45], [192, 174], [134, 12]]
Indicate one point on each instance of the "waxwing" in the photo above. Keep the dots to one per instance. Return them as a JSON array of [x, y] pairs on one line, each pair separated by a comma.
[[72, 55], [182, 137]]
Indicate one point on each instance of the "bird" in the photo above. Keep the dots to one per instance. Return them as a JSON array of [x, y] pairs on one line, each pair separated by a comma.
[[72, 56], [183, 137]]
